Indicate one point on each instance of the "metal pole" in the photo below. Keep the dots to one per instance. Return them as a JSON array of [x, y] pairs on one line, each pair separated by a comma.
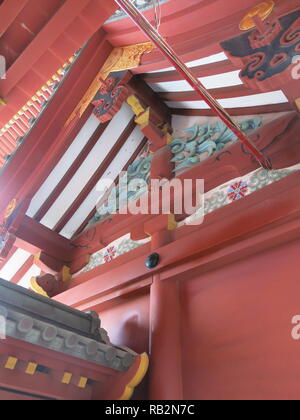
[[165, 48]]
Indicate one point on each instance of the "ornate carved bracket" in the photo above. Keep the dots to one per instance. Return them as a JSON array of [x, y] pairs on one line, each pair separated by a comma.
[[111, 95], [267, 54], [120, 59], [50, 285]]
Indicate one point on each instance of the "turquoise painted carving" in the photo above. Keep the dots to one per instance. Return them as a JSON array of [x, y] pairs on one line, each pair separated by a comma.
[[196, 144], [199, 142], [131, 187]]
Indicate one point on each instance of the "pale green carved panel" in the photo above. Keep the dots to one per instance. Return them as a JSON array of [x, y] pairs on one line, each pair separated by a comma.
[[199, 142]]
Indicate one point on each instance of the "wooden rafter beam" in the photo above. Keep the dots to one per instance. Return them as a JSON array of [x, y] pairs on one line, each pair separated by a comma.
[[71, 172], [204, 240], [69, 138], [23, 270], [63, 23], [46, 37], [130, 162], [41, 385], [10, 254], [33, 236], [283, 152], [97, 175], [9, 10], [219, 93], [206, 34], [44, 143], [255, 110], [199, 71]]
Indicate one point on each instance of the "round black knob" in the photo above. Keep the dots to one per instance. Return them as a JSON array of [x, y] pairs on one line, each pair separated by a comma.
[[152, 261]]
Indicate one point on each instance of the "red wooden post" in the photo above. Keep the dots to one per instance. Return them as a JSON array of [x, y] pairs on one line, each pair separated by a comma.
[[165, 333]]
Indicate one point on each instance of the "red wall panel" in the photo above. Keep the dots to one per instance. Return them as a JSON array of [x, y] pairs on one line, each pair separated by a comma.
[[128, 323], [237, 324]]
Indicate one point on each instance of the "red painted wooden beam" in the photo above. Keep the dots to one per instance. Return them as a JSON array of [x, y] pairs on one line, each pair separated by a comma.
[[185, 27], [9, 10], [42, 385], [60, 22], [213, 24], [57, 362], [33, 236], [130, 162], [205, 240], [151, 99], [66, 32], [10, 254], [96, 176], [256, 110], [57, 25], [45, 141], [219, 93], [23, 270], [237, 162], [177, 18], [200, 42], [199, 71], [10, 395]]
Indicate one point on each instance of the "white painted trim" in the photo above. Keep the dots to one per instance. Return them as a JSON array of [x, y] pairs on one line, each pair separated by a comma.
[[210, 82], [14, 264], [88, 167], [34, 271], [269, 98], [215, 58], [64, 164], [111, 173]]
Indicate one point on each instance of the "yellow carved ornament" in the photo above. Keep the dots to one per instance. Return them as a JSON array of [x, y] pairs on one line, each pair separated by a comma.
[[36, 288], [172, 224], [262, 10], [120, 59], [137, 379], [10, 208], [66, 274], [135, 105], [126, 58]]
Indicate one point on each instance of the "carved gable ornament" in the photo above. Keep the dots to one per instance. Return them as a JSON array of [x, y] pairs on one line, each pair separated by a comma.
[[267, 54], [120, 59]]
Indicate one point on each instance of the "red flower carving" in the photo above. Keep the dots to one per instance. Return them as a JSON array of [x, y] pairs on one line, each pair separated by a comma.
[[238, 191], [110, 254]]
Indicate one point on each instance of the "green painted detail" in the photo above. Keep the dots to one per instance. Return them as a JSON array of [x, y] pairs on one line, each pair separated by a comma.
[[200, 142]]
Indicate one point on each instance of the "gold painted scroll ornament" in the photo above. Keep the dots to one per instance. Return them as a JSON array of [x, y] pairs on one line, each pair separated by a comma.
[[261, 11], [120, 59]]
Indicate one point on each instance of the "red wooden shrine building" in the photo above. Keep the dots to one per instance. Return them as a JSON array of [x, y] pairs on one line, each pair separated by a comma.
[[101, 303]]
